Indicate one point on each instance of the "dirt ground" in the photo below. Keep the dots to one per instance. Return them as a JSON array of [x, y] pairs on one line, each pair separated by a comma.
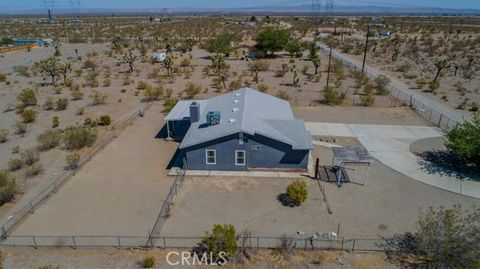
[[262, 259], [388, 205], [119, 192]]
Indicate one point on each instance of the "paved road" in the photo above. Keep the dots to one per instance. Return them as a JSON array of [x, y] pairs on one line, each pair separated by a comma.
[[390, 144], [439, 107]]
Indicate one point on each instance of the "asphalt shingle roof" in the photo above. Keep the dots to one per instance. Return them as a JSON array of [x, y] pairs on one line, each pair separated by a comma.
[[249, 111]]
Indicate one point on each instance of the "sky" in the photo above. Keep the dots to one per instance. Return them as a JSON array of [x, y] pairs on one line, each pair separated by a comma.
[[18, 5]]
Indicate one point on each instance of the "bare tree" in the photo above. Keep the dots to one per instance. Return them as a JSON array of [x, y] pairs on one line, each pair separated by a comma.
[[130, 59]]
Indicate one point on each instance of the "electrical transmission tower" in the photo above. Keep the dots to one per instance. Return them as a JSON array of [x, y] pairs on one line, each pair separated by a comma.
[[329, 4], [75, 4], [49, 5], [316, 9]]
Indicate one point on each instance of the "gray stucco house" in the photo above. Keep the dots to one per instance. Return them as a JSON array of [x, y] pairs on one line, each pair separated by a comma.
[[241, 130]]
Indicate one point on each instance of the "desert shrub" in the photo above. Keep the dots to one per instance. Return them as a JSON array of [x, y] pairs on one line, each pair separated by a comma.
[[98, 98], [28, 115], [49, 104], [185, 62], [79, 137], [434, 85], [73, 159], [297, 192], [27, 97], [168, 104], [49, 266], [57, 90], [191, 90], [107, 82], [15, 164], [234, 84], [152, 94], [89, 64], [87, 122], [263, 88], [148, 262], [421, 82], [222, 238], [8, 187], [367, 100], [3, 135], [49, 139], [463, 140], [55, 122], [76, 95], [33, 170], [20, 127], [104, 120], [283, 95], [333, 97], [61, 104], [142, 85], [3, 78], [381, 83], [29, 156]]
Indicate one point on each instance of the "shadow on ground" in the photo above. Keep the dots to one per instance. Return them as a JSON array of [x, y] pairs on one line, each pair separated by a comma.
[[446, 163]]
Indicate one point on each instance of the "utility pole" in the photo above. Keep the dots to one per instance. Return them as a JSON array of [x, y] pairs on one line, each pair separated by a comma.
[[366, 48]]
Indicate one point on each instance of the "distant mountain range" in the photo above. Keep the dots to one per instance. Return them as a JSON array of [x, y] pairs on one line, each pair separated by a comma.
[[284, 9]]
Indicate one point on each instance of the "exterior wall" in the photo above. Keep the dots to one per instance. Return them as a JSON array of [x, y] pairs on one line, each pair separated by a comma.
[[261, 152]]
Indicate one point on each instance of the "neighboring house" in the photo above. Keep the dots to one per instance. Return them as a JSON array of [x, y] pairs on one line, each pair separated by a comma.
[[241, 130]]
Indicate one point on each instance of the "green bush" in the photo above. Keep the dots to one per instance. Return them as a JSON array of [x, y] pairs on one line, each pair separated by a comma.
[[3, 78], [3, 135], [49, 267], [367, 100], [148, 262], [77, 95], [104, 120], [20, 127], [152, 94], [79, 137], [333, 97], [61, 104], [15, 164], [142, 85], [222, 238], [29, 156], [283, 95], [55, 122], [168, 104], [28, 115], [297, 192], [191, 90], [72, 160], [49, 104], [463, 140], [33, 170], [8, 187], [98, 98], [27, 97], [49, 139]]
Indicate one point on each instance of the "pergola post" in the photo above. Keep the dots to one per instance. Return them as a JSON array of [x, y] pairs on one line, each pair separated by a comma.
[[366, 176], [168, 129]]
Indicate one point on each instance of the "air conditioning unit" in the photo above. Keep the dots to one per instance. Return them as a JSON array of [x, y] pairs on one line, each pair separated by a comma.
[[213, 117]]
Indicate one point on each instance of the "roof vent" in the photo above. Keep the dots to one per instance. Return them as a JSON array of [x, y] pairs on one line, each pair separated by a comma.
[[234, 109], [231, 120], [237, 94], [235, 101]]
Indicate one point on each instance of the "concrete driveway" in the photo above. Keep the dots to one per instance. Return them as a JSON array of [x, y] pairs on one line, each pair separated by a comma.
[[390, 144]]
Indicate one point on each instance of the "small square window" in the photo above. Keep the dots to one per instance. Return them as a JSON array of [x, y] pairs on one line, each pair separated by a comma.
[[211, 156], [239, 157]]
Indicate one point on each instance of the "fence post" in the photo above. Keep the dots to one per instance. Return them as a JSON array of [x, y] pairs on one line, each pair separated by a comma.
[[306, 242], [164, 243], [34, 242], [342, 242], [353, 246], [74, 243], [258, 242], [440, 120], [118, 241], [4, 233]]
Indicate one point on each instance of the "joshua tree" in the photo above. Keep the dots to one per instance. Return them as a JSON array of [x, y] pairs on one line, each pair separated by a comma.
[[440, 65], [57, 49], [256, 67], [130, 59], [50, 67], [316, 63], [218, 62], [168, 64], [296, 80]]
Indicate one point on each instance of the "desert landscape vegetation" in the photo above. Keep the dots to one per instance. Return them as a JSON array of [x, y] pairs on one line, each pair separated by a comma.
[[61, 102]]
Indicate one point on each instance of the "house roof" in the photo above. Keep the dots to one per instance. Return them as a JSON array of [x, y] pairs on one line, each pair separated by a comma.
[[181, 110], [248, 111]]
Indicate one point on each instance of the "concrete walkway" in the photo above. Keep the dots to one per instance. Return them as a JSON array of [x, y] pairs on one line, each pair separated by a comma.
[[390, 144]]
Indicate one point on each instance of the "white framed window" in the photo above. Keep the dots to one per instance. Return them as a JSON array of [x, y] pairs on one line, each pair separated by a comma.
[[211, 156], [240, 157]]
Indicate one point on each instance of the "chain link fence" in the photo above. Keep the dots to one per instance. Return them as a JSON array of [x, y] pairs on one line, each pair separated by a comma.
[[113, 130], [404, 96], [253, 242]]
